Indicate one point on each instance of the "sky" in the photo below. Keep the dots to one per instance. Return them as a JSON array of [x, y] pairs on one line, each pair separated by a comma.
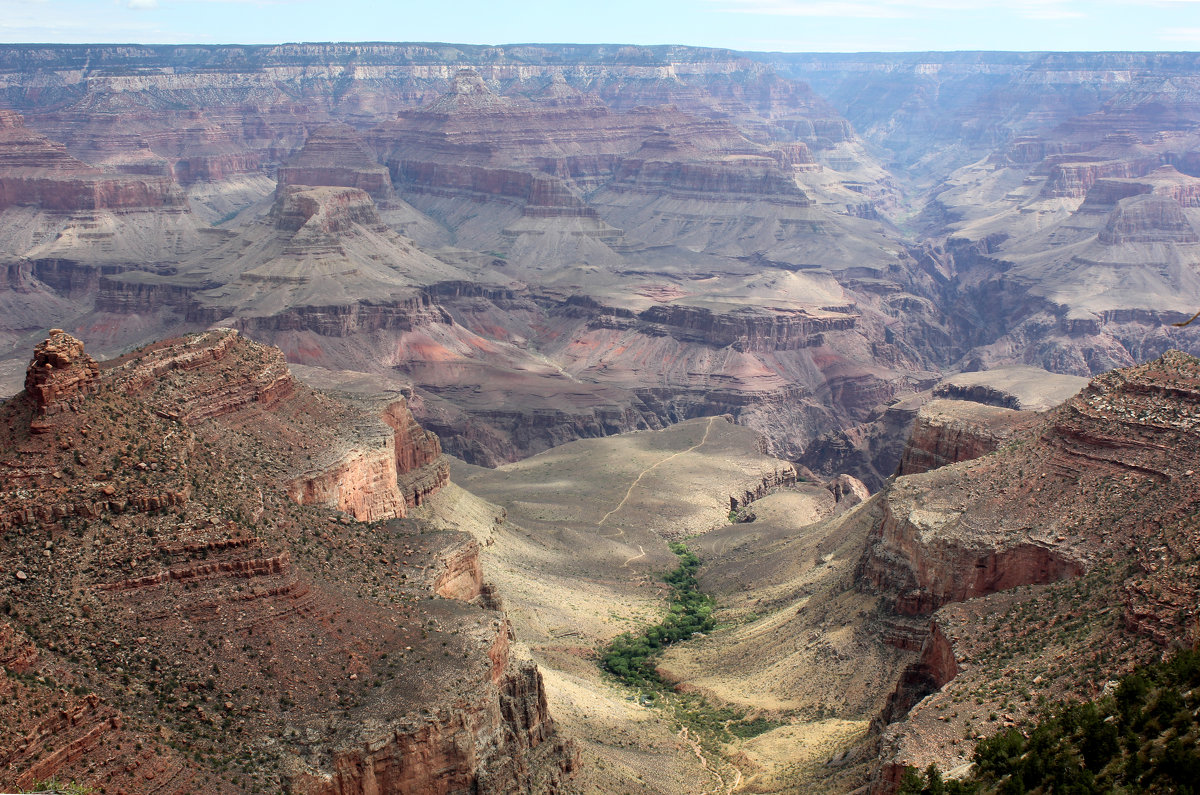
[[771, 25]]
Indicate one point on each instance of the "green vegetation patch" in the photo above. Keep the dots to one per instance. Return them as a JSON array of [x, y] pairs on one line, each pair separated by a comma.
[[633, 658], [1142, 738]]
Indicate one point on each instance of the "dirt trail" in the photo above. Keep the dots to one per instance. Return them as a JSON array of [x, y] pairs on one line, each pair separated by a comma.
[[644, 472], [641, 554], [722, 787]]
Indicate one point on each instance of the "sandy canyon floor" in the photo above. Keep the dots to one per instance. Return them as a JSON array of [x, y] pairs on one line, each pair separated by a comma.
[[575, 541]]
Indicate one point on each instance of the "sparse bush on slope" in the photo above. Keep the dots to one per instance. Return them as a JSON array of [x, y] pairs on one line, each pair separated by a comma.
[[1142, 738]]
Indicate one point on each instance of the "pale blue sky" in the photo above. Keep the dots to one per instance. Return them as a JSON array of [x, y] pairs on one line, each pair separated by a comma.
[[789, 25]]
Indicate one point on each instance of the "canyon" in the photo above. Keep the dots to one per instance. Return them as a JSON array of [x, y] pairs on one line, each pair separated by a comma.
[[410, 359], [621, 237]]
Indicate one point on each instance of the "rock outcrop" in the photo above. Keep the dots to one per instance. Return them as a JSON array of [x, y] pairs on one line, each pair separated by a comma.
[[949, 431], [1087, 504], [1148, 219], [224, 616], [924, 555], [322, 213], [335, 155], [384, 476], [778, 479], [745, 330], [1075, 179], [59, 372], [443, 754]]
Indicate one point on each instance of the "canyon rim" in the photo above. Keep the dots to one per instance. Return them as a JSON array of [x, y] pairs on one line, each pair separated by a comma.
[[359, 396]]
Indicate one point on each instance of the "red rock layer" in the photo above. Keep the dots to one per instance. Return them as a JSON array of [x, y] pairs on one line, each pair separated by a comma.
[[443, 756], [934, 668], [936, 543], [383, 479], [321, 654], [36, 171], [946, 432], [396, 465], [60, 371], [921, 571], [261, 388], [461, 577], [473, 143], [57, 728], [335, 155], [1101, 491]]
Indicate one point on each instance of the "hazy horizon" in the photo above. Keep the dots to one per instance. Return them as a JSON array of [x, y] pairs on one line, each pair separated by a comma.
[[754, 25]]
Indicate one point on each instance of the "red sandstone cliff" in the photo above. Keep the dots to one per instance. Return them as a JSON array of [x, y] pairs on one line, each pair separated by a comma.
[[36, 171], [60, 372], [949, 431], [335, 155], [1090, 505], [442, 753], [224, 617], [384, 477]]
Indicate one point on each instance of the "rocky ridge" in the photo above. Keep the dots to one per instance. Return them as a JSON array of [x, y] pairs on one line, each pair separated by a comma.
[[949, 431], [1087, 504], [148, 528]]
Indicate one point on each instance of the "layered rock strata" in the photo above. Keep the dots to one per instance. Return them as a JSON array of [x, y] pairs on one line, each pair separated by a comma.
[[60, 371], [949, 431], [1087, 504], [332, 656], [384, 477], [35, 171], [548, 182], [335, 155]]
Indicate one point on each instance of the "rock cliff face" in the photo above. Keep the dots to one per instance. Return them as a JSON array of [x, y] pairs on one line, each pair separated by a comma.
[[38, 172], [935, 667], [335, 155], [208, 609], [322, 214], [384, 477], [926, 558], [443, 756], [745, 330], [746, 175], [1087, 505], [1148, 219], [949, 431], [1074, 180]]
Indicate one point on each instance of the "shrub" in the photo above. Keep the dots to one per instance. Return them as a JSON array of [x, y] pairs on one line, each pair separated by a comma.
[[632, 658]]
